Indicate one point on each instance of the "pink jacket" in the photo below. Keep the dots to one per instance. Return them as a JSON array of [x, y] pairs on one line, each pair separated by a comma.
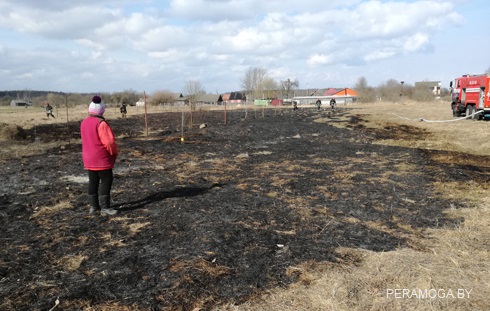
[[99, 150]]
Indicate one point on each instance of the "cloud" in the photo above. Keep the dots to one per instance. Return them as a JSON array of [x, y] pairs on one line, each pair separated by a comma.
[[153, 39], [416, 42], [318, 59], [387, 20]]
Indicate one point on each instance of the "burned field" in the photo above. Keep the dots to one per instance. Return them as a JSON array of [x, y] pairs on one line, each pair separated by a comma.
[[213, 220]]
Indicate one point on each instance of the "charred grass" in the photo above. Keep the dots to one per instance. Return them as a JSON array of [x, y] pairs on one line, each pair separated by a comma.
[[274, 210]]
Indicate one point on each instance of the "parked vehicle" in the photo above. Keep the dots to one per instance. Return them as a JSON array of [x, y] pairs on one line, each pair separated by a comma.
[[470, 94]]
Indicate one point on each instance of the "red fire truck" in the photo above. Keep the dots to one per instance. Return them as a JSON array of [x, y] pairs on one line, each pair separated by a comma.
[[471, 94]]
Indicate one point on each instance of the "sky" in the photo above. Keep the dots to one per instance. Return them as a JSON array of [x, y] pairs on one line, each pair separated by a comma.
[[94, 46]]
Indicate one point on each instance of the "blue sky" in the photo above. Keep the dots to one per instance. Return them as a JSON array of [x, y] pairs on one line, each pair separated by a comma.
[[146, 45]]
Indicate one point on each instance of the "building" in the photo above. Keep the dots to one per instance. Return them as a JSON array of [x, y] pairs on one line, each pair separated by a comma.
[[174, 99], [346, 92], [434, 86], [342, 96], [234, 98], [20, 103], [208, 99]]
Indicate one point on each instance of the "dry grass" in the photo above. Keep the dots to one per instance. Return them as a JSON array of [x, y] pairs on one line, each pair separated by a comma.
[[19, 150], [17, 119], [445, 132], [32, 116]]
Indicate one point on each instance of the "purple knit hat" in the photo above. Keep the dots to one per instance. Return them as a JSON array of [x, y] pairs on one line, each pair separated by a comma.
[[96, 107]]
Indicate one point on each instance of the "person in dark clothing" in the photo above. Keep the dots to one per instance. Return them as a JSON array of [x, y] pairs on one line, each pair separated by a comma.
[[295, 105], [99, 153], [318, 104], [123, 110], [332, 104], [49, 110]]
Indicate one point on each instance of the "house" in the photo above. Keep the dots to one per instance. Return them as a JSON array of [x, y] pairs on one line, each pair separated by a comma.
[[234, 98], [179, 99], [342, 96], [140, 102], [20, 103], [208, 99], [340, 92], [434, 86], [346, 92], [330, 92], [277, 102]]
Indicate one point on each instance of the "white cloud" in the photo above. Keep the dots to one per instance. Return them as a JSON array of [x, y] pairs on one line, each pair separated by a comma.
[[378, 19], [318, 59], [415, 43], [380, 54], [170, 55], [186, 38]]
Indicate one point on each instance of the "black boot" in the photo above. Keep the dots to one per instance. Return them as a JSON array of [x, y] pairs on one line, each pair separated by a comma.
[[105, 204], [94, 203]]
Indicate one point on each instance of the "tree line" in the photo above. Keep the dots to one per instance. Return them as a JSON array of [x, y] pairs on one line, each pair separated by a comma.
[[256, 83], [60, 99]]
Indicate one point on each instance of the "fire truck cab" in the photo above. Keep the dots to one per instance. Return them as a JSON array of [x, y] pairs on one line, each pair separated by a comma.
[[469, 95]]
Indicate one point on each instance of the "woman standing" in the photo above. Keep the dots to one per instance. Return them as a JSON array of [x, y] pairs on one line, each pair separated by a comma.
[[99, 153]]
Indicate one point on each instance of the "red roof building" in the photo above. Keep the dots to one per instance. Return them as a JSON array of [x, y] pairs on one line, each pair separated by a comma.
[[346, 92]]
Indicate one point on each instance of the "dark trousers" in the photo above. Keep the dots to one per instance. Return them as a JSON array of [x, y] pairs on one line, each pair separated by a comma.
[[100, 182]]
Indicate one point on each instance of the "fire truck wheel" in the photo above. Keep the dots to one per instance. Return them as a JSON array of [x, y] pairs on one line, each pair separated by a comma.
[[473, 110]]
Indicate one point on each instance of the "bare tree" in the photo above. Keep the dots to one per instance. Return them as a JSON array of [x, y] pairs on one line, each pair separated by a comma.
[[75, 99], [269, 88], [419, 93], [287, 86], [361, 84], [390, 90], [252, 82], [128, 96], [193, 88], [56, 100], [161, 97], [365, 92]]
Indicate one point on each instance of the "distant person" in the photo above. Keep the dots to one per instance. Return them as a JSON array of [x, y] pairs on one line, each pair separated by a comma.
[[49, 110], [123, 110], [332, 104], [99, 153], [318, 104], [295, 105]]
